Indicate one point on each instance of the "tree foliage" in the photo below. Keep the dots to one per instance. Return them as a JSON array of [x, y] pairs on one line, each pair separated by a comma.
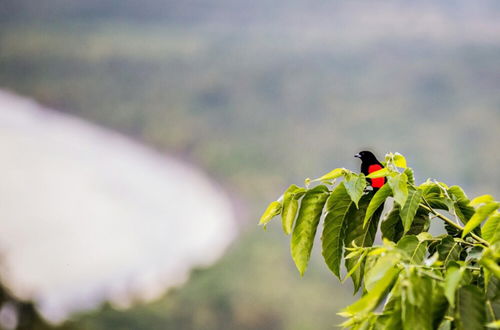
[[413, 279]]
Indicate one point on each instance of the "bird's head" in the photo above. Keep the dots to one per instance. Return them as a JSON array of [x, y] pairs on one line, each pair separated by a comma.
[[366, 156]]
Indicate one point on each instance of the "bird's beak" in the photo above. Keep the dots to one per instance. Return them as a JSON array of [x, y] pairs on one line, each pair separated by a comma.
[[357, 155]]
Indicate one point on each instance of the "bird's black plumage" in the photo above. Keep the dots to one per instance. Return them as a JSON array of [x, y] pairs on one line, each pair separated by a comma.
[[369, 164]]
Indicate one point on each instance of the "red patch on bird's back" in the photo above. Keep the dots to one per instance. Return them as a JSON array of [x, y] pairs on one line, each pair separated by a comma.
[[378, 182]]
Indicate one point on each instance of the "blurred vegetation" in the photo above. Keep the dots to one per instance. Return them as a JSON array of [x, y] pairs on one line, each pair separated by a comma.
[[262, 94]]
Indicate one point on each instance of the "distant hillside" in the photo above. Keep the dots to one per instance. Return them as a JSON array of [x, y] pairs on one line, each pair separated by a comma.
[[235, 12]]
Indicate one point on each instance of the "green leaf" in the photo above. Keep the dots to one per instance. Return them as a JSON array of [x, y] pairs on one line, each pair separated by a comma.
[[335, 224], [336, 173], [307, 223], [399, 160], [481, 200], [445, 325], [399, 187], [421, 222], [429, 189], [273, 209], [355, 185], [410, 175], [358, 235], [481, 214], [450, 230], [493, 289], [377, 200], [380, 173], [470, 310], [371, 300], [425, 236], [493, 297], [494, 324], [491, 228], [360, 261], [417, 302], [462, 206], [356, 232], [378, 271], [390, 319], [391, 227], [414, 249], [489, 260], [391, 316], [290, 207], [433, 194], [448, 250], [410, 208], [439, 304], [451, 282]]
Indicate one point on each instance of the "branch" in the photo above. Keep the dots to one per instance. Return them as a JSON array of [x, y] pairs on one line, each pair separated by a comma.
[[452, 223]]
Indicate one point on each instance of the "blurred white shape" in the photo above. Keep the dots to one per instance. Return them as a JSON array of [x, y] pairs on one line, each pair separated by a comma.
[[88, 215], [8, 316]]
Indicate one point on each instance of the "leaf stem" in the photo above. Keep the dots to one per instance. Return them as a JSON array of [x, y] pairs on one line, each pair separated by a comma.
[[453, 223]]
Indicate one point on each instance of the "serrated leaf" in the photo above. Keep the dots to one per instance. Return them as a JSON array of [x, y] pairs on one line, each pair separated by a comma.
[[448, 250], [357, 235], [307, 223], [290, 207], [481, 200], [377, 200], [399, 160], [414, 249], [380, 173], [335, 224], [272, 210], [452, 280], [491, 228], [391, 227], [410, 208], [481, 214], [399, 187], [355, 185], [421, 222], [470, 310]]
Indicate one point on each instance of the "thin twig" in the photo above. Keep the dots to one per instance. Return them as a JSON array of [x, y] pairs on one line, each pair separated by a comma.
[[452, 223]]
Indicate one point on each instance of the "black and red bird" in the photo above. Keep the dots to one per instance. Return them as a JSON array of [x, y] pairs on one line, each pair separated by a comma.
[[370, 164]]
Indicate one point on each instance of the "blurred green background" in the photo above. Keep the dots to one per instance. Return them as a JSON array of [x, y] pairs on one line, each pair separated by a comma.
[[262, 94]]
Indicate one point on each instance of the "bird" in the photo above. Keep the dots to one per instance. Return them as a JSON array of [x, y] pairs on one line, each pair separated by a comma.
[[370, 164]]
